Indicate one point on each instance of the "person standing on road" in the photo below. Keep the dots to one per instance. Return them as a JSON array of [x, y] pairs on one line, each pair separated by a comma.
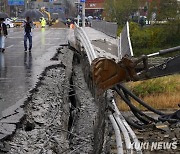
[[43, 23], [28, 25], [3, 34]]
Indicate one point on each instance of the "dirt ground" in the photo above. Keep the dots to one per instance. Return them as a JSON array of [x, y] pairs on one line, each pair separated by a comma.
[[59, 25]]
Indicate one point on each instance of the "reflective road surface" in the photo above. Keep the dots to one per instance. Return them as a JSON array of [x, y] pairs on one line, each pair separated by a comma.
[[19, 71]]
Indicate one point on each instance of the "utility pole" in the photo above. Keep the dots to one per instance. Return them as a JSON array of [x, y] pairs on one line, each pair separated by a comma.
[[83, 12], [78, 17], [27, 5]]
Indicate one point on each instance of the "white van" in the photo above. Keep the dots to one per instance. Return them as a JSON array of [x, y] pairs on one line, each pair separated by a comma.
[[9, 23]]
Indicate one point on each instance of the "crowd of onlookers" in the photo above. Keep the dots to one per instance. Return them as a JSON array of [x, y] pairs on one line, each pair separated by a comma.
[[71, 20]]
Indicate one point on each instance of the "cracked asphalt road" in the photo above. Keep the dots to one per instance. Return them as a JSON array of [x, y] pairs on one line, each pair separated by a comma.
[[19, 72]]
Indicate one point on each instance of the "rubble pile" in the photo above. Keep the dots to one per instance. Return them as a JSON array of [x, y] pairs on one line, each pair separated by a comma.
[[163, 138]]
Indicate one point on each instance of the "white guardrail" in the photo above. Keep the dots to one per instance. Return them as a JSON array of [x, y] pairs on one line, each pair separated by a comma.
[[81, 35], [118, 122], [124, 43], [128, 133]]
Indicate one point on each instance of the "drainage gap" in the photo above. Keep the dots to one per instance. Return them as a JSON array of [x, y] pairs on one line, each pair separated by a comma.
[[73, 105], [29, 126]]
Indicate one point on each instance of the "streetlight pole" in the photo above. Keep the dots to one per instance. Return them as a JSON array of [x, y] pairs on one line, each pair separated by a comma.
[[78, 17], [83, 12], [27, 5]]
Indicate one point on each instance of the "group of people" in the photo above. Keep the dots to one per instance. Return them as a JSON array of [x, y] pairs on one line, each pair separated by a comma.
[[28, 25]]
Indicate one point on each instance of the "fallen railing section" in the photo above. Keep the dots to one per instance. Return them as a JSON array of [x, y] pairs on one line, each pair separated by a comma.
[[129, 135], [124, 43], [81, 35], [122, 129]]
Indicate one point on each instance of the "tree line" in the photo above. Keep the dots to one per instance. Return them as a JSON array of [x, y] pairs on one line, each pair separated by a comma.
[[163, 34], [123, 10]]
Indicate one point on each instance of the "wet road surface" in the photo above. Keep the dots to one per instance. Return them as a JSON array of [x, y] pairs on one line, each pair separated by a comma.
[[19, 71]]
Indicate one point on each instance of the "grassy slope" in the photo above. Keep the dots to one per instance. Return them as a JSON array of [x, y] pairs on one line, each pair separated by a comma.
[[161, 93]]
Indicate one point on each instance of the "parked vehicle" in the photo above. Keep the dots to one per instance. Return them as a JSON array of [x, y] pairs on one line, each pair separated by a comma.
[[9, 23], [18, 22]]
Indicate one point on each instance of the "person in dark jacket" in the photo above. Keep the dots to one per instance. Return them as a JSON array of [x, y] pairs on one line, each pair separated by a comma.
[[3, 34], [28, 25]]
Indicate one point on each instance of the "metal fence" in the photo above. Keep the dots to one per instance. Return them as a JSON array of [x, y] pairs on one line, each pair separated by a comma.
[[81, 35], [109, 28]]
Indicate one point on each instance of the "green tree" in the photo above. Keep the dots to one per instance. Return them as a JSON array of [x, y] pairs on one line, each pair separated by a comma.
[[120, 10], [167, 10]]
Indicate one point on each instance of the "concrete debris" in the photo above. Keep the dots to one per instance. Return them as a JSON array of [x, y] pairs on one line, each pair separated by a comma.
[[83, 125], [162, 126]]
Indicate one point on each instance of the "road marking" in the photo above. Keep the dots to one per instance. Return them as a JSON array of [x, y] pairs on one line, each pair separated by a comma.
[[15, 37], [10, 46], [53, 38], [50, 44]]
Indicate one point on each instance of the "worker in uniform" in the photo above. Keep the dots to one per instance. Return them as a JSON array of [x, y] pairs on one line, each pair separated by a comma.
[[43, 23]]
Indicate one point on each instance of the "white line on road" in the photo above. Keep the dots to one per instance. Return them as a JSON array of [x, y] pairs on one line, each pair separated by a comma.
[[11, 37], [53, 38], [50, 44], [10, 46]]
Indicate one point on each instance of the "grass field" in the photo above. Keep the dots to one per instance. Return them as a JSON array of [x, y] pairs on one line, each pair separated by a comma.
[[160, 93]]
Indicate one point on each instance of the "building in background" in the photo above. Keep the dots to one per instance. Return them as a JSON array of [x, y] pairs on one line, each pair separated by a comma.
[[55, 7], [94, 7], [12, 7], [16, 7], [4, 7], [51, 5]]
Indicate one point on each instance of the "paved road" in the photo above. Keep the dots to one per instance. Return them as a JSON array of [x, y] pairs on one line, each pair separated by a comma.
[[19, 71]]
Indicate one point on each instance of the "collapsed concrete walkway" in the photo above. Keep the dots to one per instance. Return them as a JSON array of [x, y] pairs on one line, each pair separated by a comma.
[[61, 113], [20, 71]]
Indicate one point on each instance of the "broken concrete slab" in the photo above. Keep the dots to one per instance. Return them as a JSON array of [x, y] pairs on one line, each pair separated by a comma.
[[7, 129], [12, 109], [2, 136], [13, 119]]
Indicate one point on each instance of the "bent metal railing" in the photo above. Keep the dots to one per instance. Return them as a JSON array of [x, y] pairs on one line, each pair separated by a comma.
[[81, 35], [118, 122], [124, 43]]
